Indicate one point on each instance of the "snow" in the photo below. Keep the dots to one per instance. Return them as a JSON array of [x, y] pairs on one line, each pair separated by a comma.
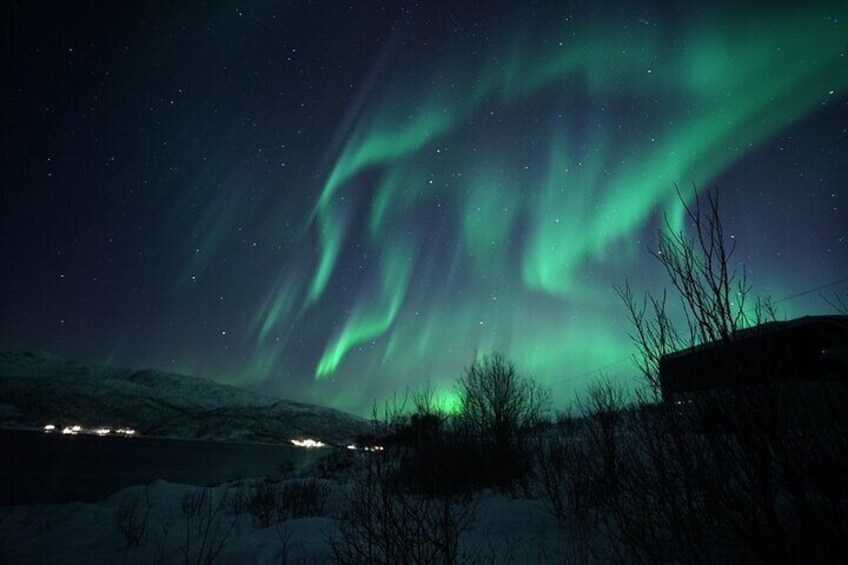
[[178, 523], [504, 530], [38, 388]]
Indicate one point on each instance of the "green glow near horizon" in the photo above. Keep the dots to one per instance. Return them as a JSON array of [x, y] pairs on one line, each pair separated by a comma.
[[447, 401], [530, 236]]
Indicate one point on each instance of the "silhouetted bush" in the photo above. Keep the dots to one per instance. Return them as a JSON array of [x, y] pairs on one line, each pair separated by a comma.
[[566, 475], [301, 499], [738, 473], [383, 523], [499, 409], [132, 516], [207, 526], [428, 454], [269, 502], [753, 473], [486, 444], [262, 501]]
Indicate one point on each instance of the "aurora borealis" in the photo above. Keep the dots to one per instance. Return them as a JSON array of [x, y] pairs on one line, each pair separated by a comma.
[[332, 203]]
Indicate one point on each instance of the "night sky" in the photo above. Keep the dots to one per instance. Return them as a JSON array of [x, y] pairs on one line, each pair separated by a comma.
[[333, 201]]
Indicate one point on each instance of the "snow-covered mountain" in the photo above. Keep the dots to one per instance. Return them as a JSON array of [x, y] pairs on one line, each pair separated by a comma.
[[37, 388]]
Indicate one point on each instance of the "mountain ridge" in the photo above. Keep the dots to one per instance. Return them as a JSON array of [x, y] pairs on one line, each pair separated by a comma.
[[38, 387]]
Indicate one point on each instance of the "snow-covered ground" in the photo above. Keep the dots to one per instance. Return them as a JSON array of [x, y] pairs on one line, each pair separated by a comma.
[[91, 533], [173, 523], [167, 522]]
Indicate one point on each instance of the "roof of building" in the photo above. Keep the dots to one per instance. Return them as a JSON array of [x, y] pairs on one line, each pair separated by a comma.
[[839, 321]]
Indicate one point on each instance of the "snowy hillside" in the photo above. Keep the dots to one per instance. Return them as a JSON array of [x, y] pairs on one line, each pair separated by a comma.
[[37, 388]]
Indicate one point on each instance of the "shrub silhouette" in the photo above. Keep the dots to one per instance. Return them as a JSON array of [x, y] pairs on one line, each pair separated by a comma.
[[499, 409], [732, 474], [486, 444], [383, 523], [739, 474]]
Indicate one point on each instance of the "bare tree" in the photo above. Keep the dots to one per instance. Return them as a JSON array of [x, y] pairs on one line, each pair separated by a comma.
[[383, 523], [713, 295], [837, 302], [699, 267], [751, 486], [132, 516], [498, 406], [207, 526]]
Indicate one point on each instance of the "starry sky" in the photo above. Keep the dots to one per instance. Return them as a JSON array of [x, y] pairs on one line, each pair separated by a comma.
[[335, 201]]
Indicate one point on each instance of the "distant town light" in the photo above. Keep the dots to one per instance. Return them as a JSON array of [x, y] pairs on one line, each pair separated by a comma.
[[352, 447], [70, 431], [307, 443], [76, 429], [49, 428], [102, 431]]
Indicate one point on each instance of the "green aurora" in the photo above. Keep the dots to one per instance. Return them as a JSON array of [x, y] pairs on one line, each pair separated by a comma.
[[339, 204], [518, 231]]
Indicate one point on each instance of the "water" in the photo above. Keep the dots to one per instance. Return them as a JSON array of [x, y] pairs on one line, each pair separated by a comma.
[[36, 467]]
